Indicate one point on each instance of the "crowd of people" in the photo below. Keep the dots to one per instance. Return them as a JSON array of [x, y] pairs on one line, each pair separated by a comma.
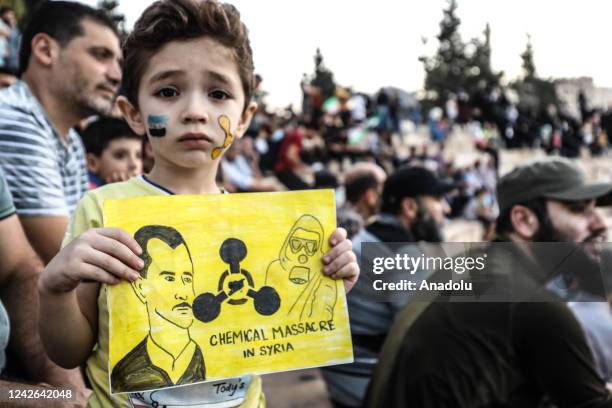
[[81, 122]]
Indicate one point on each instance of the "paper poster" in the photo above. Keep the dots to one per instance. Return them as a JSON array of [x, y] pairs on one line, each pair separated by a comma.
[[232, 285]]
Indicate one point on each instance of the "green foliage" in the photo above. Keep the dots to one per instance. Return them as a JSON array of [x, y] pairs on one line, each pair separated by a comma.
[[534, 93], [457, 65], [529, 70], [109, 7], [323, 77]]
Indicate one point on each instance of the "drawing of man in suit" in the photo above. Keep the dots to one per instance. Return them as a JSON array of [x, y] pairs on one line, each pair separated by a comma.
[[167, 355]]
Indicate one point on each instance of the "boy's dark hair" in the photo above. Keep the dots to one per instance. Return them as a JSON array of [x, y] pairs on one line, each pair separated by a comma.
[[60, 20], [98, 135], [169, 235], [503, 225], [180, 20], [357, 186]]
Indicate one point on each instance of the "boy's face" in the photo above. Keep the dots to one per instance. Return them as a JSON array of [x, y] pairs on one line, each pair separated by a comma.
[[189, 92], [121, 159]]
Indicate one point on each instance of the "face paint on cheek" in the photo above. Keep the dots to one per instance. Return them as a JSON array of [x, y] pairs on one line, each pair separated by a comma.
[[225, 124], [157, 125]]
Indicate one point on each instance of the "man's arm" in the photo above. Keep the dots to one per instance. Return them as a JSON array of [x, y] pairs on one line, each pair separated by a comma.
[[42, 192], [19, 271], [45, 233]]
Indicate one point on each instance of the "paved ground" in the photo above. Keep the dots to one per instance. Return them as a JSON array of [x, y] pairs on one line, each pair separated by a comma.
[[296, 389]]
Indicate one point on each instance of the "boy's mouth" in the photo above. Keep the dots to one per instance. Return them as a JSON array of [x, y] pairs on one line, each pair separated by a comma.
[[194, 139]]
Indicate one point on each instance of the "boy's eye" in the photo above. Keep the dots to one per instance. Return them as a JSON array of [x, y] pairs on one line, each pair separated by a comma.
[[169, 278], [219, 94], [167, 93], [120, 155]]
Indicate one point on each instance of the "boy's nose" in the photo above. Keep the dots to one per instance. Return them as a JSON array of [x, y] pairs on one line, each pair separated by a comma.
[[195, 111]]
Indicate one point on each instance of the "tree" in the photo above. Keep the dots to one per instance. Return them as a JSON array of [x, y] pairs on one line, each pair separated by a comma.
[[529, 70], [323, 77], [480, 69], [110, 8], [535, 93], [446, 71]]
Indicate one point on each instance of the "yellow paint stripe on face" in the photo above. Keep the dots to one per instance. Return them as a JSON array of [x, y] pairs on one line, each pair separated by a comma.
[[225, 124]]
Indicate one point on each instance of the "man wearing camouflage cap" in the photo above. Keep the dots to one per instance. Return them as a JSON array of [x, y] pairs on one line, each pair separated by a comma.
[[508, 353]]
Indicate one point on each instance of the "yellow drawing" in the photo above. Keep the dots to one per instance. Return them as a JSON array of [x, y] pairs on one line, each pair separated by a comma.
[[167, 355], [295, 271], [232, 285], [224, 122]]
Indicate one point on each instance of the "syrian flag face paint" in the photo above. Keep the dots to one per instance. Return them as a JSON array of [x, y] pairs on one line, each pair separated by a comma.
[[157, 125]]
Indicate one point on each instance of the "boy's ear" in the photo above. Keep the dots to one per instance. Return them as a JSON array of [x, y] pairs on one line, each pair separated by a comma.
[[245, 119], [92, 162], [131, 115]]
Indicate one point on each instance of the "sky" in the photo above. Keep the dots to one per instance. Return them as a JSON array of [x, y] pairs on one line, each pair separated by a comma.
[[368, 45]]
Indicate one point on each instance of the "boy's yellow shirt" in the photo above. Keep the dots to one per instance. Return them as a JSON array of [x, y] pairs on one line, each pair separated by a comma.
[[89, 214]]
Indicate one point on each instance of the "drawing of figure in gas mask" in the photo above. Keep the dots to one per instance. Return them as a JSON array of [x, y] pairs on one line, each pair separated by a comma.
[[297, 273]]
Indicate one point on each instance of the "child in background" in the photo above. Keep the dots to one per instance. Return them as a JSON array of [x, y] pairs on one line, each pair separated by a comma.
[[114, 151], [188, 80]]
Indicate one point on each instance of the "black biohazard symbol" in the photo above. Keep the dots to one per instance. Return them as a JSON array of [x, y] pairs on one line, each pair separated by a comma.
[[236, 286]]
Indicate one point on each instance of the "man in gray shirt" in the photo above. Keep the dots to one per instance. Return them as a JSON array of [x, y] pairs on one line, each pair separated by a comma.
[[70, 69]]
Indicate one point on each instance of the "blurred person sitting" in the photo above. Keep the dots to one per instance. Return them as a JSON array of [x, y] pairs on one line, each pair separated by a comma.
[[413, 209], [363, 185], [23, 359], [7, 14], [70, 69], [114, 151], [241, 174], [289, 167]]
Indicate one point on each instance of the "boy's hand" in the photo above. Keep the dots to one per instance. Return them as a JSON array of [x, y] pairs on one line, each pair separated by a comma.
[[340, 261], [103, 255]]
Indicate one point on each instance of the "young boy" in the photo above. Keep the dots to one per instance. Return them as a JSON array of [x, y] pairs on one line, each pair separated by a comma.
[[114, 151], [188, 75]]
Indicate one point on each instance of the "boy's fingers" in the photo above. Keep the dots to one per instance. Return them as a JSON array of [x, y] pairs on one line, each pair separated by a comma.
[[344, 246], [338, 263], [338, 235], [119, 251], [120, 235], [111, 265], [349, 274], [92, 273], [349, 271]]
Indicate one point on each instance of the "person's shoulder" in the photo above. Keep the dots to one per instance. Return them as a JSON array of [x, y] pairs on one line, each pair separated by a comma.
[[16, 97], [124, 189], [19, 114]]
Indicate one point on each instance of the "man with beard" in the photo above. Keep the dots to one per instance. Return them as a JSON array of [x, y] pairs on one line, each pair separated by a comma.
[[70, 69], [523, 348], [413, 208]]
